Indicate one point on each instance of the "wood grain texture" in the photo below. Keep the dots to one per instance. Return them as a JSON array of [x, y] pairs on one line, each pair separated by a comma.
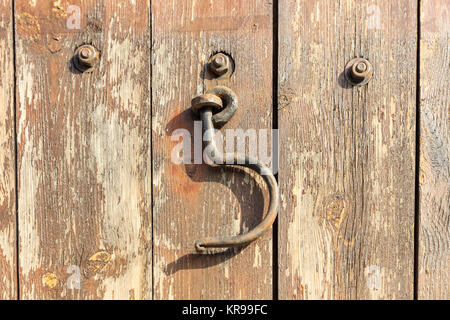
[[192, 201], [347, 161], [84, 151], [434, 179], [8, 257]]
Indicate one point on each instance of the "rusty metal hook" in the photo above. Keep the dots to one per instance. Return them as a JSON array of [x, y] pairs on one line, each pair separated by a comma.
[[224, 100]]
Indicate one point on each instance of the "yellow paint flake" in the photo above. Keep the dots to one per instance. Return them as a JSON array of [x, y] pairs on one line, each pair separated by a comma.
[[50, 280], [98, 261], [28, 25], [58, 9]]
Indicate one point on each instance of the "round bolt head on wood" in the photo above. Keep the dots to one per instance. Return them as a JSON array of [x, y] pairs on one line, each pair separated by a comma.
[[358, 71], [86, 58]]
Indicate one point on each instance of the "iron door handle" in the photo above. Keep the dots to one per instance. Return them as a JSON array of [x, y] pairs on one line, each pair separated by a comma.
[[224, 101]]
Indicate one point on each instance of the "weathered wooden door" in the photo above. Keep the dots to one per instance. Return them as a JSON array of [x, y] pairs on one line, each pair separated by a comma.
[[93, 207]]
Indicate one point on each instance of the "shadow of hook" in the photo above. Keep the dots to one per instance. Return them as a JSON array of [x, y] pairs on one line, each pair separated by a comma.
[[197, 261]]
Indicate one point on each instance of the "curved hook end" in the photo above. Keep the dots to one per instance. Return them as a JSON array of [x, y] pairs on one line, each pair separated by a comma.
[[199, 246]]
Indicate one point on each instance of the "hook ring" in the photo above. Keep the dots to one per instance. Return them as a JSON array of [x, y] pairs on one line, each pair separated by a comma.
[[204, 106]]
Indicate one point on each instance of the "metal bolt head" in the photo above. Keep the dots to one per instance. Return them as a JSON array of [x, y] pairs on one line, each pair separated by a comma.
[[219, 61], [220, 64], [85, 53], [361, 67], [358, 71], [86, 58]]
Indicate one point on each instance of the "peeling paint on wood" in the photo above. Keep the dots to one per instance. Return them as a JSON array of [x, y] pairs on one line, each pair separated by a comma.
[[347, 167], [347, 154], [8, 258], [434, 178], [84, 152]]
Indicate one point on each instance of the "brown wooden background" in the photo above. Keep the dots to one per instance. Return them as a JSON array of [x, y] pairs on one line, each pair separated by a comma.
[[88, 188]]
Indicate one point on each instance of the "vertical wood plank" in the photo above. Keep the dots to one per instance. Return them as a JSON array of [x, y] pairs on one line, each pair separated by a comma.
[[347, 154], [192, 201], [434, 179], [84, 151], [8, 258]]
